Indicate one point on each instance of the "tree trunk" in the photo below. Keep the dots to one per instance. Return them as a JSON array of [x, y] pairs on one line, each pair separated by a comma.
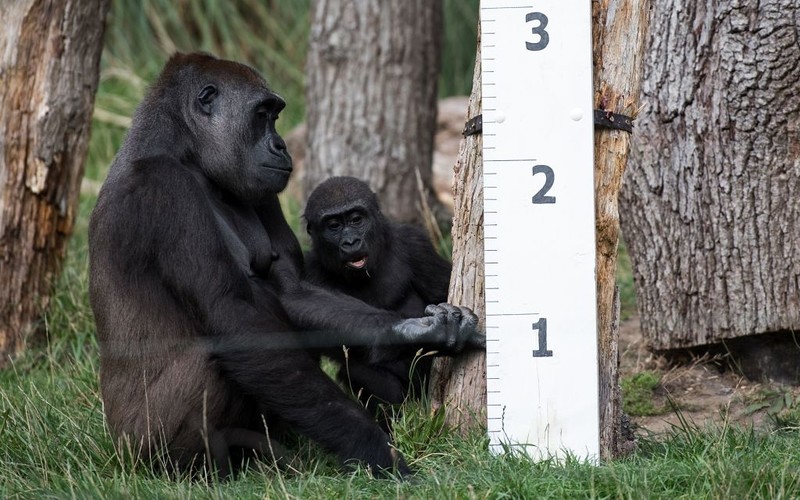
[[372, 77], [712, 202], [49, 66], [460, 383], [619, 31]]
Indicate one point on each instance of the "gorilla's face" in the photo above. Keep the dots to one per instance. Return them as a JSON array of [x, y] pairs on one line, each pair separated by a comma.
[[234, 114], [346, 239], [347, 228]]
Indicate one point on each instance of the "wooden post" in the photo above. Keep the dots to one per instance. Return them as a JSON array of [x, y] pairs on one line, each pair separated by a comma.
[[619, 33], [460, 383]]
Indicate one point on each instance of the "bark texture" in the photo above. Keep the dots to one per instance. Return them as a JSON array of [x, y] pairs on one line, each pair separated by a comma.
[[619, 32], [49, 67], [372, 72], [711, 202], [460, 383]]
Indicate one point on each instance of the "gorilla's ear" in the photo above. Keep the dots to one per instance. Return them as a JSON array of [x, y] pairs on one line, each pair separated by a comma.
[[206, 97]]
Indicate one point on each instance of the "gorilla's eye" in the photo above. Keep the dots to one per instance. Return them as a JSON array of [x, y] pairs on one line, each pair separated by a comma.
[[333, 225], [356, 220], [206, 97], [264, 113]]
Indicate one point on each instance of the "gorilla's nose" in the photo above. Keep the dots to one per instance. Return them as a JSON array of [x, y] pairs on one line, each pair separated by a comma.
[[351, 244], [277, 146]]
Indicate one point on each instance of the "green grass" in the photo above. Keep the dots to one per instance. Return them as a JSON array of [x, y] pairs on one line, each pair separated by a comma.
[[638, 391], [53, 443]]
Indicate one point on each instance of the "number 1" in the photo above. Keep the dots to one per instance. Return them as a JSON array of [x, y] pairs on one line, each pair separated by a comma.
[[542, 351]]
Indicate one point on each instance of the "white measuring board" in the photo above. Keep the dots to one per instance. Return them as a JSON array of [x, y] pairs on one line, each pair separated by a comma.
[[539, 227]]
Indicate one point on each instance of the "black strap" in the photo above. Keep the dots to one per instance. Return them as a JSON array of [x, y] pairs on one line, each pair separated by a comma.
[[473, 126], [607, 119], [602, 119]]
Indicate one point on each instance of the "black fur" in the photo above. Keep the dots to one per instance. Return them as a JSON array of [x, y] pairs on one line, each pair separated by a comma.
[[401, 272], [205, 329]]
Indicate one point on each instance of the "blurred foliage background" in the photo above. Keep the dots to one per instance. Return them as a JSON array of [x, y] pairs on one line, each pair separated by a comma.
[[270, 35]]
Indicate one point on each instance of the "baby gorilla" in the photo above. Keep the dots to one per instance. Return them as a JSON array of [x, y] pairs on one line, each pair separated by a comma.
[[357, 251]]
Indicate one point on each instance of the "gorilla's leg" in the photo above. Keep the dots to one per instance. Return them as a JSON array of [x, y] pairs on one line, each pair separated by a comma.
[[219, 454], [291, 387], [259, 443], [198, 451]]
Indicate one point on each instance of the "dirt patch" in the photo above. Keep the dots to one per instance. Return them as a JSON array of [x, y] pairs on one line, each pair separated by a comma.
[[705, 390]]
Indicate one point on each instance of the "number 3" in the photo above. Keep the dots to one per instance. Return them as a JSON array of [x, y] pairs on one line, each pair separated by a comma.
[[544, 38]]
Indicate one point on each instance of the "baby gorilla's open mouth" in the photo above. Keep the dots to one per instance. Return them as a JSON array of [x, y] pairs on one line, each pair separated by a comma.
[[359, 263]]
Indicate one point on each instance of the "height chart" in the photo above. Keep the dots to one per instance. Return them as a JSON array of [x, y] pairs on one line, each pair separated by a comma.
[[538, 142]]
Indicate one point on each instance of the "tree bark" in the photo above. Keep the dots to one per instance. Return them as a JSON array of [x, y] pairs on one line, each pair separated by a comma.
[[49, 67], [372, 88], [712, 202], [619, 32], [459, 384]]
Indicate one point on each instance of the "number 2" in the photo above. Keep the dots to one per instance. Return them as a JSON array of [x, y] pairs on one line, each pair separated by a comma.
[[549, 179], [544, 37]]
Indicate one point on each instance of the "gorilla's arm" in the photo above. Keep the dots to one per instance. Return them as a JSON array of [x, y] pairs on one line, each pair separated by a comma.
[[344, 320], [328, 318]]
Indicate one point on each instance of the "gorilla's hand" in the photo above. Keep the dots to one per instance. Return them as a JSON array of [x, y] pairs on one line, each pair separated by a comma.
[[445, 325]]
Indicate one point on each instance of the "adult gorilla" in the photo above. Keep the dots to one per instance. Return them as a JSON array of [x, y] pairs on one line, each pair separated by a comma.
[[205, 329], [356, 250]]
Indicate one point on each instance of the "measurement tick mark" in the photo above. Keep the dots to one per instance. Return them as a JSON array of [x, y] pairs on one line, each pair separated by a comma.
[[512, 314], [510, 159], [508, 7]]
